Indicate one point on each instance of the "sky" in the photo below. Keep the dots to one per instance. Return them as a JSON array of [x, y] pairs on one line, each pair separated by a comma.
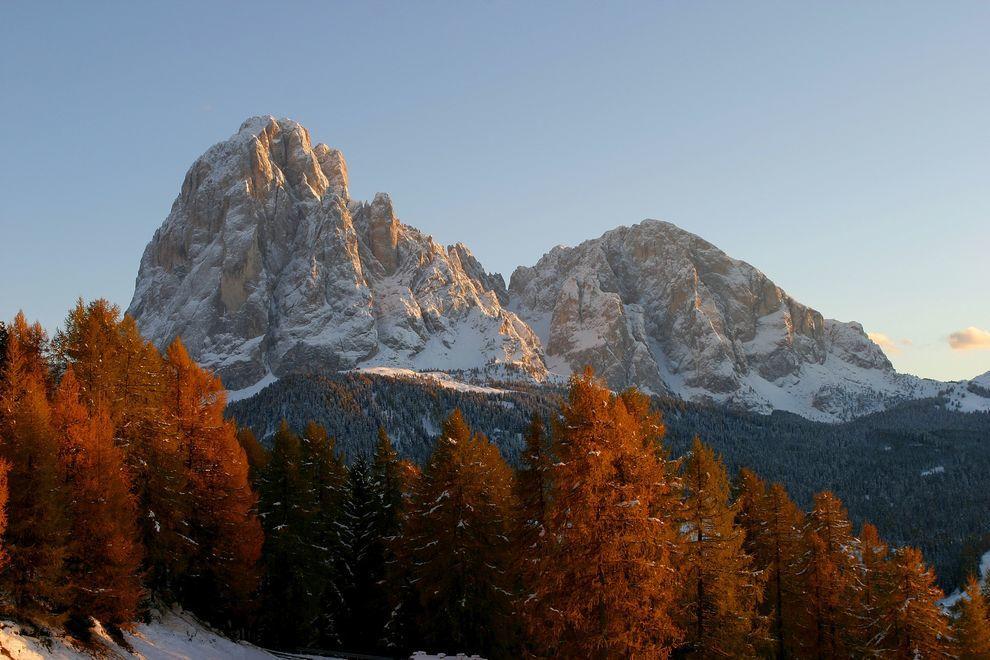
[[843, 148]]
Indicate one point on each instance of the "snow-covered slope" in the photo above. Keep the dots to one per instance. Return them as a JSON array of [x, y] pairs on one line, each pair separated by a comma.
[[173, 636], [655, 306], [265, 266]]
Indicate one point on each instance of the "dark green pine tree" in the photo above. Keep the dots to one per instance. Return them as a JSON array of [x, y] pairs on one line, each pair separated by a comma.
[[326, 475], [290, 594], [371, 514]]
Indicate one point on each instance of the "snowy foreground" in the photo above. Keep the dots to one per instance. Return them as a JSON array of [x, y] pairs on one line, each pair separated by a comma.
[[173, 636]]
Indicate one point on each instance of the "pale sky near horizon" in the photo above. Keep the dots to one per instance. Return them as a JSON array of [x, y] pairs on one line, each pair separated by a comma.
[[843, 148]]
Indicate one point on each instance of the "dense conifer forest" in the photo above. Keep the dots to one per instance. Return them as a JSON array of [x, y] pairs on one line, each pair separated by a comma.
[[896, 469], [572, 523]]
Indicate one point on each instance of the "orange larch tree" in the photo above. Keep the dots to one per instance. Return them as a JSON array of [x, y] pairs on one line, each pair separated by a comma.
[[36, 522], [831, 622], [917, 627], [103, 558], [458, 532], [720, 590], [876, 590], [971, 627], [606, 581], [222, 576]]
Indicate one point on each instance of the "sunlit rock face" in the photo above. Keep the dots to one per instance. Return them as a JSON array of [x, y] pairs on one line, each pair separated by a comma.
[[266, 266], [658, 307]]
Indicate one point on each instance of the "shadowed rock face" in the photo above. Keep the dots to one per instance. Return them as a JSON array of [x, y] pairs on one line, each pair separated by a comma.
[[653, 305], [265, 265]]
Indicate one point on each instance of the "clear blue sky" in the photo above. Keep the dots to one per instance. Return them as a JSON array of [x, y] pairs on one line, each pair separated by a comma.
[[841, 147]]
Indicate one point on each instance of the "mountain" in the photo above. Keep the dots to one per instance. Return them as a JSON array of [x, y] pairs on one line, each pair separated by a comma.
[[656, 306], [265, 266]]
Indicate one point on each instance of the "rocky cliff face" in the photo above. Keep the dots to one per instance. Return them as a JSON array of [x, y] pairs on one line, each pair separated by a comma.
[[266, 266], [655, 306]]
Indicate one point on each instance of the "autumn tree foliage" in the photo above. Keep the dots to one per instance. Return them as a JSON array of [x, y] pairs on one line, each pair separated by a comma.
[[103, 553], [458, 538], [875, 589], [4, 493], [915, 623], [220, 506], [606, 582], [971, 626], [720, 590], [774, 528], [36, 510]]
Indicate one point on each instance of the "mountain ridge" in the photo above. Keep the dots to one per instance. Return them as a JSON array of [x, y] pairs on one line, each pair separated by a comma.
[[265, 266]]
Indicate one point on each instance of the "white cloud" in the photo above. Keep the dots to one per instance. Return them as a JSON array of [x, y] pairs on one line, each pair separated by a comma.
[[890, 346], [969, 338]]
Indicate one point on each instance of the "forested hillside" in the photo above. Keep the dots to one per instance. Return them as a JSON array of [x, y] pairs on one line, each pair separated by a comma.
[[897, 469]]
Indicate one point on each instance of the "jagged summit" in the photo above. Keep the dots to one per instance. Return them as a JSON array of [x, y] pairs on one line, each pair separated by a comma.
[[266, 266], [656, 306]]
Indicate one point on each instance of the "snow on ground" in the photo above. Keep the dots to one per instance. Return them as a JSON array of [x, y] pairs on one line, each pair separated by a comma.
[[247, 392], [949, 601], [172, 636], [439, 378]]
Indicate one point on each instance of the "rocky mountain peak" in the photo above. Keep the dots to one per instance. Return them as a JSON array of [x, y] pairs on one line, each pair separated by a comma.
[[656, 306], [265, 266]]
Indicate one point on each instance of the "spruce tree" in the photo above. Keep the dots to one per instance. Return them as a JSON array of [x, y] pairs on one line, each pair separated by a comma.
[[458, 536], [373, 516], [324, 471], [256, 453], [721, 591], [971, 627], [606, 582], [291, 598], [103, 552]]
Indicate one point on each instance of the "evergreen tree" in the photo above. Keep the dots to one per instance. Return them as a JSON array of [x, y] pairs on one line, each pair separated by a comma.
[[916, 626], [373, 515], [458, 536], [324, 471], [971, 627], [832, 578], [606, 581], [720, 589], [103, 552], [290, 594], [256, 453], [36, 523]]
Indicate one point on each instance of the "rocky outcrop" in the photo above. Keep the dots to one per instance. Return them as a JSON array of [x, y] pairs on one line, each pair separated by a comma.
[[658, 307], [266, 266]]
